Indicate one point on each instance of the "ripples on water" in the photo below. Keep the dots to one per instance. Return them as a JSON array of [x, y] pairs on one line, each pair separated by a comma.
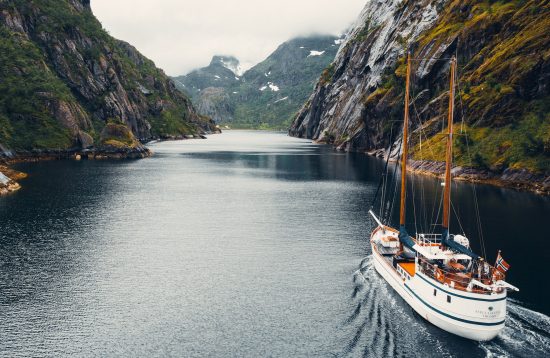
[[246, 244]]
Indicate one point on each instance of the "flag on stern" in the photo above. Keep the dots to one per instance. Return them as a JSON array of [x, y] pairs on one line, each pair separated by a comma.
[[501, 265]]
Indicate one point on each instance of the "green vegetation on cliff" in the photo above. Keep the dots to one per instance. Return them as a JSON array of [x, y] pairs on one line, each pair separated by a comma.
[[504, 57], [63, 77], [26, 83]]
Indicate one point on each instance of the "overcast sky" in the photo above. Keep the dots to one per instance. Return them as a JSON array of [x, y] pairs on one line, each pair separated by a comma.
[[180, 35]]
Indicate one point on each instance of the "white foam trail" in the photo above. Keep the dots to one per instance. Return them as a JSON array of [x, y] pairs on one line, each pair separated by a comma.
[[527, 333]]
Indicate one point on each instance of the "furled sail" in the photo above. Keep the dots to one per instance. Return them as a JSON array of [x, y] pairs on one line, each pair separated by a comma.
[[405, 238]]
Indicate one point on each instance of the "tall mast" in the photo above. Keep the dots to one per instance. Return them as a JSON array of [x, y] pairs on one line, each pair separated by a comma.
[[449, 158], [405, 151]]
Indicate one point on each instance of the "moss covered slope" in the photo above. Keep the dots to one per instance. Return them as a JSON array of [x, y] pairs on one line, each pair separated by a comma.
[[503, 49], [63, 78]]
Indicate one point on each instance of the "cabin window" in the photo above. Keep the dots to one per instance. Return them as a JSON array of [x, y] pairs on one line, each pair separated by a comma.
[[435, 292], [448, 298]]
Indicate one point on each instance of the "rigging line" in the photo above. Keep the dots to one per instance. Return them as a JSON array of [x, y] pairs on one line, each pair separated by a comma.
[[423, 132], [388, 205], [384, 173], [438, 212], [422, 199], [458, 219], [413, 191], [394, 180], [474, 188], [431, 58], [414, 206], [414, 195], [382, 197], [421, 126], [385, 185]]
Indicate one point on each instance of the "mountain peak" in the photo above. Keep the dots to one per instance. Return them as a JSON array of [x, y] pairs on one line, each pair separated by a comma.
[[229, 62]]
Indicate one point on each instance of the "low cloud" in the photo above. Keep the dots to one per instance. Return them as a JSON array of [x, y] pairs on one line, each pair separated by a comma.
[[182, 35]]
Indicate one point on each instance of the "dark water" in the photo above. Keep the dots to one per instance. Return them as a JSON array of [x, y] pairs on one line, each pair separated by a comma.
[[246, 244]]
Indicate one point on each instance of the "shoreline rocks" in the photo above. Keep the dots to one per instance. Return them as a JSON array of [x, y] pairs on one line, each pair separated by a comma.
[[509, 178], [8, 179], [521, 179]]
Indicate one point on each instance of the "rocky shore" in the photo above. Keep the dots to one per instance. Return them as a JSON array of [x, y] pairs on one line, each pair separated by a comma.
[[508, 178], [8, 177]]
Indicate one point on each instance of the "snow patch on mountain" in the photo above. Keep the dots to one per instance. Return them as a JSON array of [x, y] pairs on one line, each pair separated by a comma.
[[271, 86], [315, 53]]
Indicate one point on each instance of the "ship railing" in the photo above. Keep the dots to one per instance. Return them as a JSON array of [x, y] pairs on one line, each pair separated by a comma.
[[459, 280], [428, 239]]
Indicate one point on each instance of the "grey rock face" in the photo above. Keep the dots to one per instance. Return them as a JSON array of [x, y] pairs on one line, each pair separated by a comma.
[[358, 102], [215, 103], [337, 110]]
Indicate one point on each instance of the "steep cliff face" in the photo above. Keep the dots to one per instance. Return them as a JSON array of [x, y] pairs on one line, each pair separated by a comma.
[[216, 103], [504, 69], [64, 80]]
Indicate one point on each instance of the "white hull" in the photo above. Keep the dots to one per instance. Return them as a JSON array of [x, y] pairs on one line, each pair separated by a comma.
[[469, 315]]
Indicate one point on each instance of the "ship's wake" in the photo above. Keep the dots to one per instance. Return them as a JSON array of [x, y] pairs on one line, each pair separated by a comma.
[[527, 333], [380, 324]]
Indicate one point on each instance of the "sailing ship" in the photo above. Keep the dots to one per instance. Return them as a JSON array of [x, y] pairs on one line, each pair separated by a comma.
[[438, 275]]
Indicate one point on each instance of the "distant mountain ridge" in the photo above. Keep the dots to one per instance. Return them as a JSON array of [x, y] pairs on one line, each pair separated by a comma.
[[268, 94]]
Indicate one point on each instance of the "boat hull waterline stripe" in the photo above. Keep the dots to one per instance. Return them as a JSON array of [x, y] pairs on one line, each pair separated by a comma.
[[453, 317]]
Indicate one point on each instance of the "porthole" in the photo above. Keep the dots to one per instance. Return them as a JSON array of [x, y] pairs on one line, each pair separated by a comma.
[[449, 298], [435, 292]]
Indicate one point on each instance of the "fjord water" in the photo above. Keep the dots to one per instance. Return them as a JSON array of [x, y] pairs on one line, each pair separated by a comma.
[[244, 244]]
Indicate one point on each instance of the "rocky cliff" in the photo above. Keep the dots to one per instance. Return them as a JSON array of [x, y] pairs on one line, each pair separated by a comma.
[[268, 94], [67, 85], [503, 102]]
